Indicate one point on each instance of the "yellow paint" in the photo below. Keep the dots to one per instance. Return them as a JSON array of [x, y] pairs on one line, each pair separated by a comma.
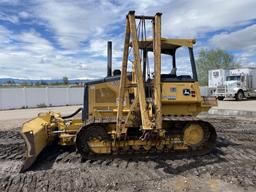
[[193, 134], [37, 127]]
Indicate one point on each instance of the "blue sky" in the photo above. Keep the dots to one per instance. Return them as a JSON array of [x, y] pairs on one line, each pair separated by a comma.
[[42, 39]]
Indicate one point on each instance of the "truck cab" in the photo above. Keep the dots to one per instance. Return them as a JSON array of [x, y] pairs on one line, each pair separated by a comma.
[[236, 86]]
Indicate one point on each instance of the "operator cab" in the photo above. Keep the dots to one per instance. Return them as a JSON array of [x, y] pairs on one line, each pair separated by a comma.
[[170, 47]]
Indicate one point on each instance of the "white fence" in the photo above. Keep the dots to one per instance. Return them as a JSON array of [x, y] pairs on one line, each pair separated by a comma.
[[13, 98]]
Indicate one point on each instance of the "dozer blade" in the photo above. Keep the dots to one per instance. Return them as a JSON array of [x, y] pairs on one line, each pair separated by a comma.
[[34, 132]]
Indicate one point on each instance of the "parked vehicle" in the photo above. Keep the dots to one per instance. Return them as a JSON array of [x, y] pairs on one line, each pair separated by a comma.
[[238, 84]]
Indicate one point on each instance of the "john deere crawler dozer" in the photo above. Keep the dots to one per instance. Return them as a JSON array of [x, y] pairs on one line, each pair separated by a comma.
[[137, 111]]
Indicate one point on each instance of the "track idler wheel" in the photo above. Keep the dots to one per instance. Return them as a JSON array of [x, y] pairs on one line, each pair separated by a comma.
[[200, 137], [91, 139], [194, 134]]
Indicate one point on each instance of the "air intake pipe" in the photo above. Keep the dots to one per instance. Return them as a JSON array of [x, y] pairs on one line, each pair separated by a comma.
[[109, 64]]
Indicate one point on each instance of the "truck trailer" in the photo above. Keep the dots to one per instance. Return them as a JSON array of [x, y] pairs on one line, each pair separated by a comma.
[[216, 78]]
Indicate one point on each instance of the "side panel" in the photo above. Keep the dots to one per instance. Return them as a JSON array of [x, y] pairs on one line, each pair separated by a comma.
[[182, 99], [102, 99], [180, 92], [178, 98]]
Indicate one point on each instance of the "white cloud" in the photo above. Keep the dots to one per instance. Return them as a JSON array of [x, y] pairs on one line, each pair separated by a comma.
[[79, 21], [4, 35], [10, 18], [24, 15], [75, 22], [34, 43], [32, 56], [243, 39], [146, 6], [82, 28], [193, 18], [245, 59]]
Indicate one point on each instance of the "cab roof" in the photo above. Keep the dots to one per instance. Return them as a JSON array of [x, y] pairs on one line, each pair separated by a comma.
[[168, 46]]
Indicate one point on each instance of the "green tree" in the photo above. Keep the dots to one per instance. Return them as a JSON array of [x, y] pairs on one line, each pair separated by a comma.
[[37, 83], [10, 82], [42, 82], [213, 59], [65, 80]]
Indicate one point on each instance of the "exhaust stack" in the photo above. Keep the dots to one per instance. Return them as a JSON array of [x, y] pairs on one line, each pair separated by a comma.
[[109, 66]]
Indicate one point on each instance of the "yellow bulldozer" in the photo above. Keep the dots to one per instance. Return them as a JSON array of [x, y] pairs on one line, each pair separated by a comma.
[[136, 109]]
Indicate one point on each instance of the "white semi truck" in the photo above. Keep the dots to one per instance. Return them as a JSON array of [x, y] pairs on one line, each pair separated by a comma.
[[233, 83]]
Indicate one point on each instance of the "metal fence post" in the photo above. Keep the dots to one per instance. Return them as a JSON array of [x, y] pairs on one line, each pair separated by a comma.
[[25, 97], [67, 96], [46, 96]]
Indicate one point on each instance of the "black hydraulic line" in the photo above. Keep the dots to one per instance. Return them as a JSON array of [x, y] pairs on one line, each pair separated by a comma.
[[73, 114]]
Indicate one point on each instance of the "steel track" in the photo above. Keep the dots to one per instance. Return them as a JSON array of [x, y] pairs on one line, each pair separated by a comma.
[[206, 146]]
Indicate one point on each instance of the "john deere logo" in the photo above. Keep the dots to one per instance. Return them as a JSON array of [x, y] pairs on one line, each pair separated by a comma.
[[186, 92]]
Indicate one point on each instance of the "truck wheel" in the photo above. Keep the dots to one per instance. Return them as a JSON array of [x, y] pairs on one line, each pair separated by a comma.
[[221, 98], [239, 96]]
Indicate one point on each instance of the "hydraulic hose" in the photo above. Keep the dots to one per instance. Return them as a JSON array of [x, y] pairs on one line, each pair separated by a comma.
[[73, 114]]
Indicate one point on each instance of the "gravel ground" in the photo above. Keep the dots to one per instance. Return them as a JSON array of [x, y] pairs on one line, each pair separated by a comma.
[[230, 167], [245, 105]]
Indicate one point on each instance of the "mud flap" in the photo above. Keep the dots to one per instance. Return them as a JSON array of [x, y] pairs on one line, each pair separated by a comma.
[[34, 133]]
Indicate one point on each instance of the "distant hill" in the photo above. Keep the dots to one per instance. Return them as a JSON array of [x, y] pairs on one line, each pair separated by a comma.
[[41, 81]]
